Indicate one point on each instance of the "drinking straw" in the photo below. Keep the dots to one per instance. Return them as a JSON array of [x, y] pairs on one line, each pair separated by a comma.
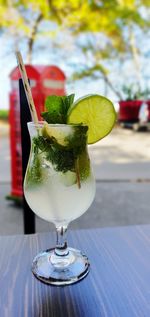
[[27, 87]]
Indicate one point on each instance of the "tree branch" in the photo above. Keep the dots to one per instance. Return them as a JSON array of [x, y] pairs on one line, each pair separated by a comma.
[[54, 11], [32, 37]]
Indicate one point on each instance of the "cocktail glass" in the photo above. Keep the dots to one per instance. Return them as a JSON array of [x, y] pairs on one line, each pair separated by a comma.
[[59, 187]]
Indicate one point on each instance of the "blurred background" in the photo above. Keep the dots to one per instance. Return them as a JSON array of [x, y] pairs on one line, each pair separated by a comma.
[[81, 47]]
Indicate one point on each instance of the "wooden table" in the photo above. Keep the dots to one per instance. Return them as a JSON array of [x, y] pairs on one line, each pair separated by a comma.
[[118, 284]]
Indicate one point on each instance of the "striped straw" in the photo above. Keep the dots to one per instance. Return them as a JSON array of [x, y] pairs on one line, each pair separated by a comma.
[[27, 87]]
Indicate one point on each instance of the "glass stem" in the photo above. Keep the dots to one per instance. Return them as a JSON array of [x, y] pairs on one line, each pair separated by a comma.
[[61, 243]]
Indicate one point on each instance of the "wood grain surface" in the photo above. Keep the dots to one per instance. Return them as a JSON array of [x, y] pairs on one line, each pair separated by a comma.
[[118, 284]]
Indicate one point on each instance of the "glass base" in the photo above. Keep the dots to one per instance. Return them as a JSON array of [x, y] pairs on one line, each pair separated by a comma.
[[60, 270]]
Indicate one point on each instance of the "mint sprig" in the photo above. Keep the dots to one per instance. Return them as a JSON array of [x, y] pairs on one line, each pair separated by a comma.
[[71, 157], [57, 108]]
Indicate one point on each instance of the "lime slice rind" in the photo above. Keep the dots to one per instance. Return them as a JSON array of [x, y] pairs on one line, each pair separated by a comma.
[[95, 111]]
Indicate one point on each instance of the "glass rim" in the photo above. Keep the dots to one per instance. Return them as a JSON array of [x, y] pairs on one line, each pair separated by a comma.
[[55, 125]]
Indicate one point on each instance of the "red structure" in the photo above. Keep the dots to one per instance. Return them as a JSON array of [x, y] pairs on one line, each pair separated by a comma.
[[52, 80], [44, 81], [129, 110]]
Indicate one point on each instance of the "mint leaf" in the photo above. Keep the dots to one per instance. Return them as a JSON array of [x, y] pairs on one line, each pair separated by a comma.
[[67, 102], [57, 108], [53, 103], [54, 113], [54, 117]]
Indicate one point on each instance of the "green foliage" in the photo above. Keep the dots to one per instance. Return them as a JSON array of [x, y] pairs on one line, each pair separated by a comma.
[[4, 114], [114, 19], [105, 17], [57, 108], [90, 72], [135, 93]]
